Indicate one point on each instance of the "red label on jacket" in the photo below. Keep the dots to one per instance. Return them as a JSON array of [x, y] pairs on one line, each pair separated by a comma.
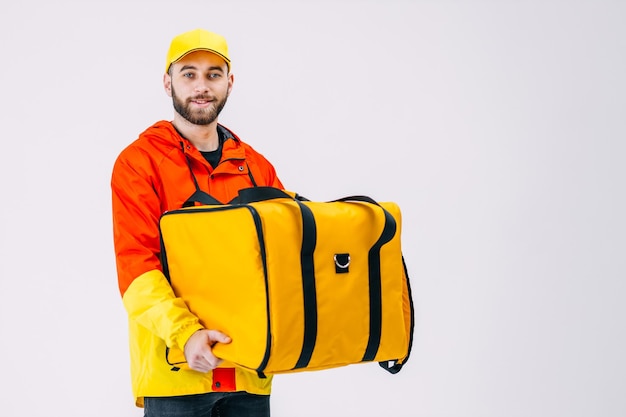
[[224, 379]]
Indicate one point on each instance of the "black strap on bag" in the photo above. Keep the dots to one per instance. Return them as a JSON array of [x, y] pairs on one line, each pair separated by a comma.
[[392, 366], [198, 196], [309, 290], [375, 280], [309, 240], [375, 287], [256, 194], [396, 365], [262, 193], [202, 197]]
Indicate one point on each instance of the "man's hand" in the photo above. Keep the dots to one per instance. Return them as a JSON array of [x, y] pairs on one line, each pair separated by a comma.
[[198, 352]]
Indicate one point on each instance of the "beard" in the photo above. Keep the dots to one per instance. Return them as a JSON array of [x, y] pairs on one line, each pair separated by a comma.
[[198, 116]]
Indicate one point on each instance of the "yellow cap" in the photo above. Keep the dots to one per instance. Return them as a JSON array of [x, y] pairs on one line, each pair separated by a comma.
[[196, 40]]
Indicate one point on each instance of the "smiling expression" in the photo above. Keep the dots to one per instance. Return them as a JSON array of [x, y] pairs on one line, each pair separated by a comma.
[[199, 84]]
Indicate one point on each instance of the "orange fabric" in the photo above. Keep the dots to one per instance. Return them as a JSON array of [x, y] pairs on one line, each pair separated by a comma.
[[151, 176]]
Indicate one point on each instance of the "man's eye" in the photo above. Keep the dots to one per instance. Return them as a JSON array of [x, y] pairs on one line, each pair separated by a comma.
[[188, 75], [215, 75]]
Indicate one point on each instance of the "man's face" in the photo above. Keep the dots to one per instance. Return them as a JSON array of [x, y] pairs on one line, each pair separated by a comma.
[[199, 85]]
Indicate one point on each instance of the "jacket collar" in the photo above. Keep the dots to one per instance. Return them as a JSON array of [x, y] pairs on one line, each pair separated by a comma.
[[167, 132]]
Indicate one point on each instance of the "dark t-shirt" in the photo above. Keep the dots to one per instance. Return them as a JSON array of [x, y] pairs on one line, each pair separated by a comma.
[[213, 157]]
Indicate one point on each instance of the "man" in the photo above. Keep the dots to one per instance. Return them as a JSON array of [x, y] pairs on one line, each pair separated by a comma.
[[158, 172]]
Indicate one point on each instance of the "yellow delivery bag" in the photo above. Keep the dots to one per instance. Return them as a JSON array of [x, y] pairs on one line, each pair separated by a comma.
[[298, 285]]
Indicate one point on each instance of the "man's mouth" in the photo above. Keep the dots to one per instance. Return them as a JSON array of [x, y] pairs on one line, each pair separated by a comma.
[[201, 100]]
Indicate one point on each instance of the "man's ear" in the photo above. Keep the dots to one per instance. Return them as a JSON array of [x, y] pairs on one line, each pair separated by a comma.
[[231, 79], [167, 84]]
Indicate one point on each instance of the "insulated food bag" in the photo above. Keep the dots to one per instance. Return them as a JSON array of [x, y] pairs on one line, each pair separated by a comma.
[[298, 285]]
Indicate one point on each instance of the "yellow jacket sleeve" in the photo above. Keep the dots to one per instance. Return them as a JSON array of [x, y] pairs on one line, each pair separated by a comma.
[[151, 302]]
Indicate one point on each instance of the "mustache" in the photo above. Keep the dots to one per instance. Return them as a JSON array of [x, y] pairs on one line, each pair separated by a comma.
[[201, 97]]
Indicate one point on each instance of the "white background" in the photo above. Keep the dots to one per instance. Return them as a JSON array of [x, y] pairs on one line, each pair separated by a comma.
[[498, 126]]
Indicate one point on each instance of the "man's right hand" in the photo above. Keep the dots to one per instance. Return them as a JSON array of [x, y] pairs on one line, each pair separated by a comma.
[[198, 352]]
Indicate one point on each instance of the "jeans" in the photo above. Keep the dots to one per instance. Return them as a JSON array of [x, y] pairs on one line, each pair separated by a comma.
[[212, 404]]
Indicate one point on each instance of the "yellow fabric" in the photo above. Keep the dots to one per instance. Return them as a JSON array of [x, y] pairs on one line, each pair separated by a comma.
[[157, 319], [215, 264]]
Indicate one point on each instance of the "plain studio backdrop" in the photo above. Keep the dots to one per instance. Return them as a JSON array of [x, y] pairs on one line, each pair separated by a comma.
[[499, 128]]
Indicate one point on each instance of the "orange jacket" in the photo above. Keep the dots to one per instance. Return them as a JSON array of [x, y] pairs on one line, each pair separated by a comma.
[[151, 176]]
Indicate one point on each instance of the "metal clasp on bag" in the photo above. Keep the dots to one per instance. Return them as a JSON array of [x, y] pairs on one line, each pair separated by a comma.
[[342, 262]]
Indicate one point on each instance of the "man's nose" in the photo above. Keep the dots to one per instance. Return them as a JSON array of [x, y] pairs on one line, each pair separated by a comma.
[[202, 86]]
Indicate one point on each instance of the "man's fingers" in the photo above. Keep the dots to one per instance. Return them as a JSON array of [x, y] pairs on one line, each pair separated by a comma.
[[215, 336], [212, 361], [205, 363], [198, 350]]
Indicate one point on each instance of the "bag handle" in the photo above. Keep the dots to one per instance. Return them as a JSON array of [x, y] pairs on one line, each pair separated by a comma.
[[259, 193], [362, 198], [264, 193]]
